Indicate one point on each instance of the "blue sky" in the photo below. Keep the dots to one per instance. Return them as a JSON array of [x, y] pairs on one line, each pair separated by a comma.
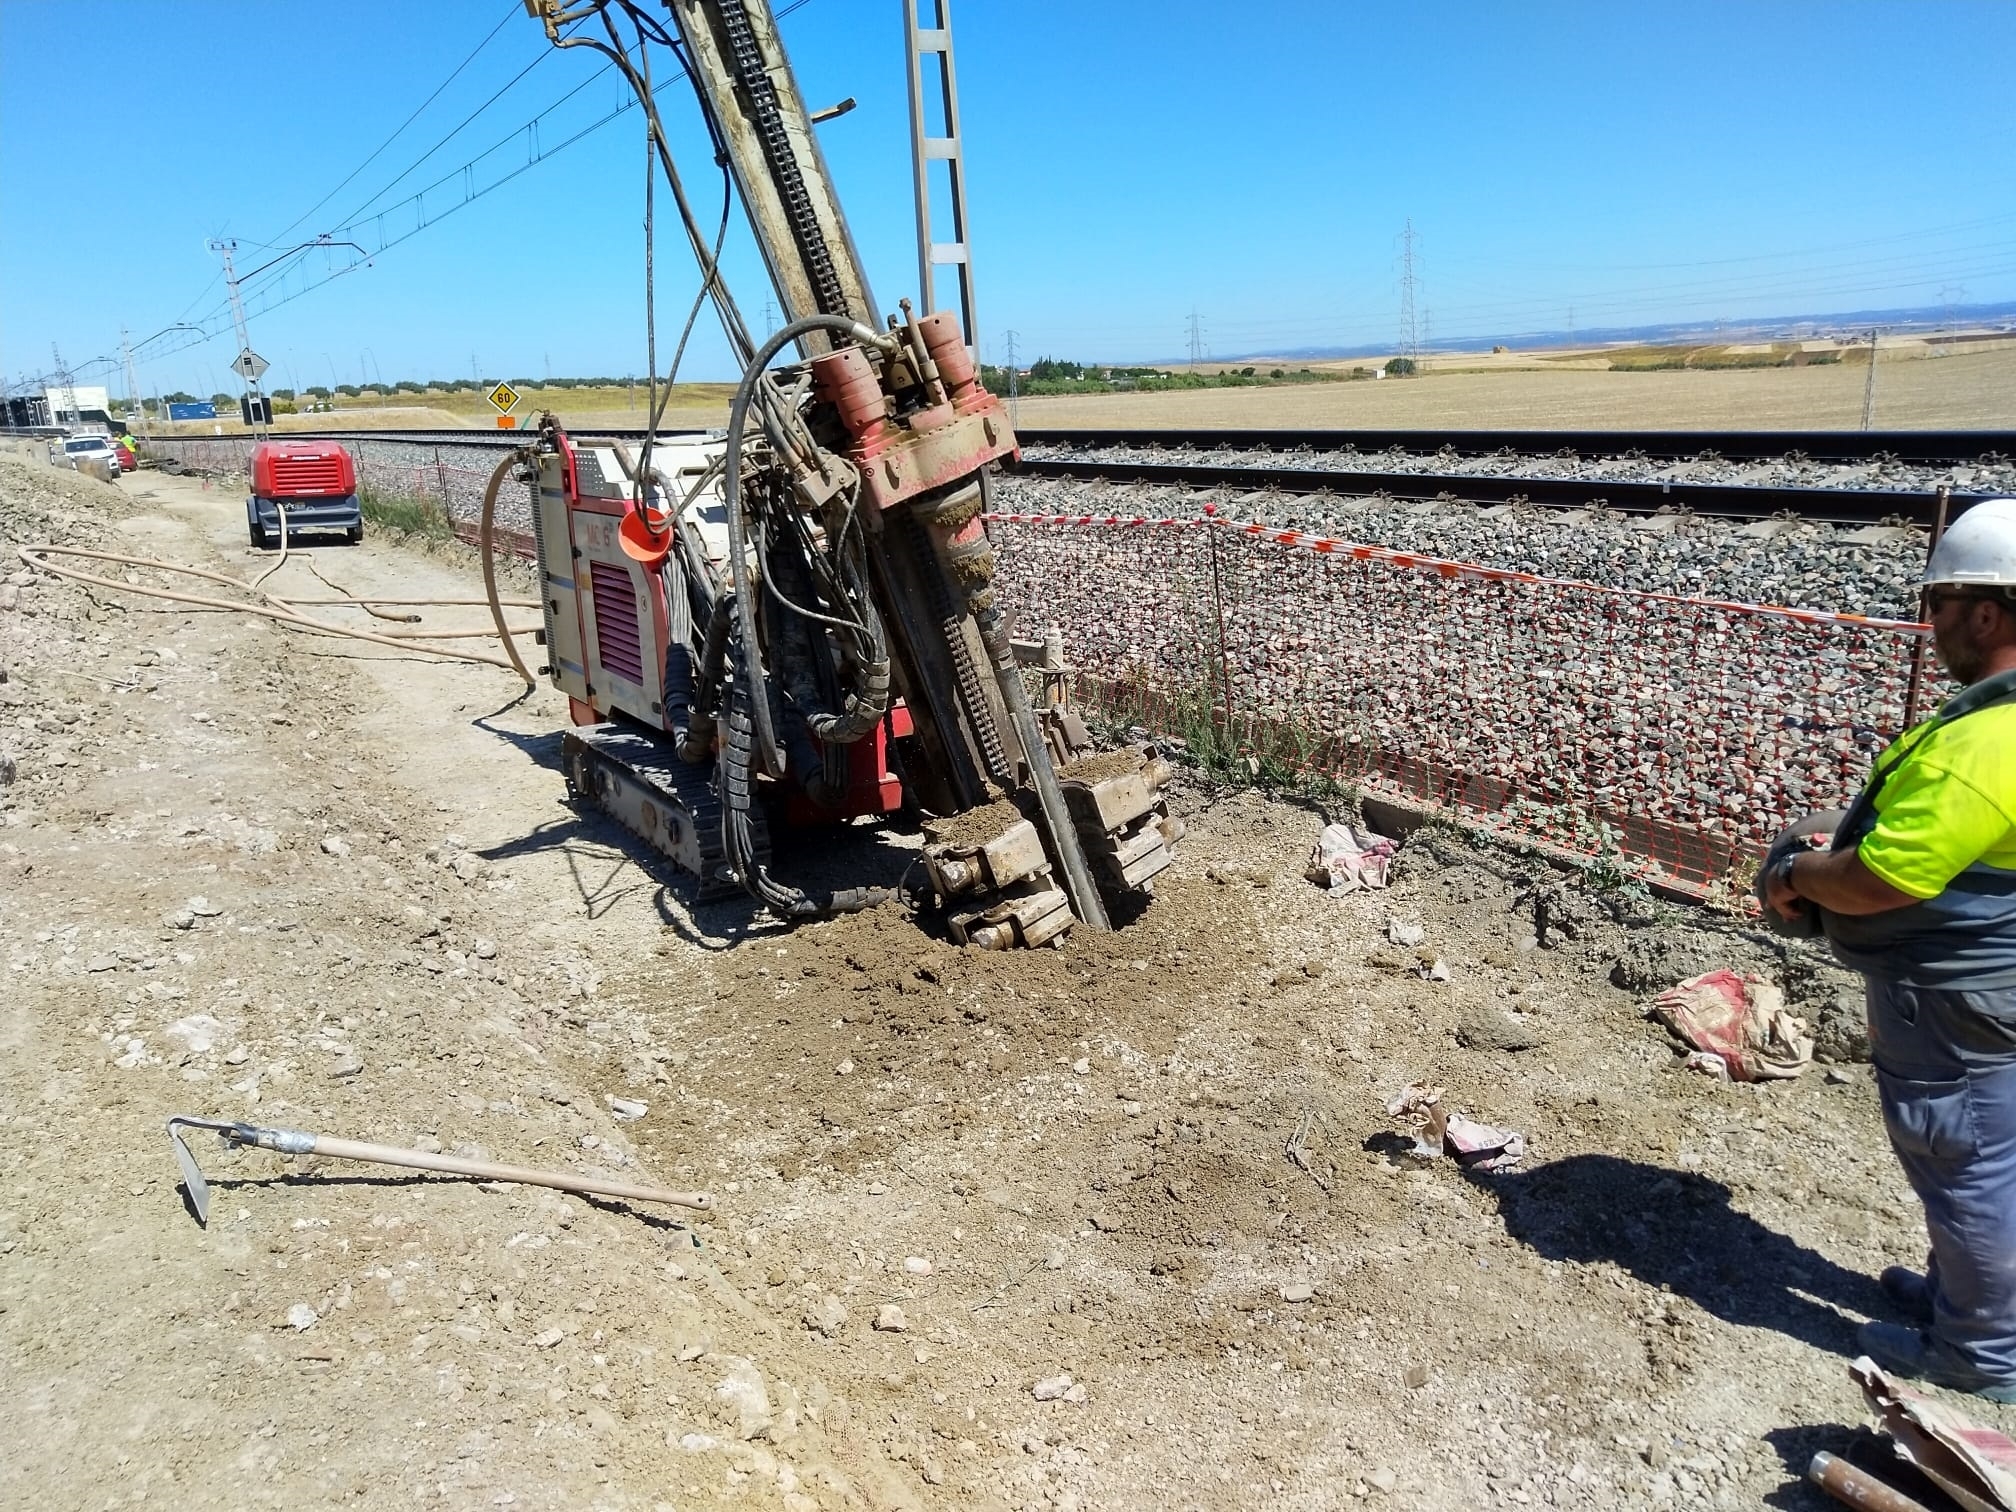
[[1128, 163]]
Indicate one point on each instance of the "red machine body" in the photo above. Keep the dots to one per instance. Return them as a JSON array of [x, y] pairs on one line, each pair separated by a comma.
[[302, 470]]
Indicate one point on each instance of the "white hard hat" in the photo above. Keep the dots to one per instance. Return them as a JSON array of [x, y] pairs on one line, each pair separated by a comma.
[[1978, 548]]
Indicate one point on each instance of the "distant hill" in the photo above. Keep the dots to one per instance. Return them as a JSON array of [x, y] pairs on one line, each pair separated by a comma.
[[1849, 323]]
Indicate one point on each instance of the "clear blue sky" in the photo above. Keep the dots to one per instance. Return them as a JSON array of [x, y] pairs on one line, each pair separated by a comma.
[[1128, 162]]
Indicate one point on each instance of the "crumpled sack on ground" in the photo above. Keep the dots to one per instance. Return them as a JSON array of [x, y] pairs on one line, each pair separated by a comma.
[[1975, 1466], [1437, 1131], [1346, 859], [1740, 1020]]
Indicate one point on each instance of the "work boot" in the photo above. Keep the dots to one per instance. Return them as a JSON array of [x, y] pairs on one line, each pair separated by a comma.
[[1908, 1352], [1910, 1291]]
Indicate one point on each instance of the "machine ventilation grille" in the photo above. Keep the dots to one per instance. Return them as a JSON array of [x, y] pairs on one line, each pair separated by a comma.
[[306, 477], [618, 645]]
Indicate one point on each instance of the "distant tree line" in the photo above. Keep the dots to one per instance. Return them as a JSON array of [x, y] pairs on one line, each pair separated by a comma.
[[1055, 375]]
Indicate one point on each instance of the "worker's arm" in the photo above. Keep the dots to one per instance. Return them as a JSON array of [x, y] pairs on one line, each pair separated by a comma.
[[1933, 825], [1838, 882]]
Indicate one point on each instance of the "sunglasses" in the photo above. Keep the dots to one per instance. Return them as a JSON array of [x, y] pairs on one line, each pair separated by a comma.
[[1938, 598]]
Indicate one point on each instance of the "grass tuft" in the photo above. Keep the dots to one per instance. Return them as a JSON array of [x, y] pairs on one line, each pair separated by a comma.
[[415, 516]]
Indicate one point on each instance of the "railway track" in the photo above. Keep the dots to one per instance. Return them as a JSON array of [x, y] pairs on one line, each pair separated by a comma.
[[1834, 477]]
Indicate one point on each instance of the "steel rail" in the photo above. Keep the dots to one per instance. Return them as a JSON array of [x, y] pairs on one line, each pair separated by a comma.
[[1919, 447], [1723, 500], [1280, 466], [1928, 446]]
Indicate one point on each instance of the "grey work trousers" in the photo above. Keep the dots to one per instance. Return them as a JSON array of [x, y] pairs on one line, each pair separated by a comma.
[[1946, 1069]]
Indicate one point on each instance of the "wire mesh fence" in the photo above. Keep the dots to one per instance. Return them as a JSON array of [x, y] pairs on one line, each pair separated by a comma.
[[1681, 733]]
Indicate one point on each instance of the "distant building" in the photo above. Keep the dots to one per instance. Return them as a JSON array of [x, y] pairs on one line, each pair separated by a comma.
[[78, 403]]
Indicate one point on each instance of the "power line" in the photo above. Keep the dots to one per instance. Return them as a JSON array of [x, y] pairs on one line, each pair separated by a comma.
[[538, 153], [487, 40], [350, 221]]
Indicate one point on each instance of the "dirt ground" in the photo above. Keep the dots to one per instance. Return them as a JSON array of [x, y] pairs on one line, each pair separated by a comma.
[[995, 1231]]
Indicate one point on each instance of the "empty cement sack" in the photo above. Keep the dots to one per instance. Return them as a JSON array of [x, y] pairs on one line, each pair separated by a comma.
[[1739, 1020], [1976, 1466]]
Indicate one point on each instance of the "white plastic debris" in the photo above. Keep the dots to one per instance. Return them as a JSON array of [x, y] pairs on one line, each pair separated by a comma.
[[1437, 1131], [1346, 859]]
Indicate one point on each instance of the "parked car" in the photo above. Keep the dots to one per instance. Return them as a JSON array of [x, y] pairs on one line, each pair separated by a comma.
[[77, 449]]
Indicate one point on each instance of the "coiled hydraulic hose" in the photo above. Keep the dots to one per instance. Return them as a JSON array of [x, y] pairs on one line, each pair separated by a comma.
[[749, 663]]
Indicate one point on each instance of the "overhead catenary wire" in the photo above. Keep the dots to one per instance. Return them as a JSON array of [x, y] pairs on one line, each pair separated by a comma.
[[540, 153], [511, 11]]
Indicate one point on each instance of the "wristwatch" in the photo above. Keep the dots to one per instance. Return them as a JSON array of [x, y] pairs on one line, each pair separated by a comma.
[[1782, 872]]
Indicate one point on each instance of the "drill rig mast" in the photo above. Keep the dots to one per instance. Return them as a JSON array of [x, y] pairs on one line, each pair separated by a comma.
[[775, 624]]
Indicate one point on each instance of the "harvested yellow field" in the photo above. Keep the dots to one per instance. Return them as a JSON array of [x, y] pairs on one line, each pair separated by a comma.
[[1964, 390]]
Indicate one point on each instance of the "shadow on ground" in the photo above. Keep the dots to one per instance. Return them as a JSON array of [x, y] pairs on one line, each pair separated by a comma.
[[1678, 1230]]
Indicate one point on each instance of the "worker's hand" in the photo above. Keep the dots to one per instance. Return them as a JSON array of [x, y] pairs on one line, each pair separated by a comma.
[[1782, 901]]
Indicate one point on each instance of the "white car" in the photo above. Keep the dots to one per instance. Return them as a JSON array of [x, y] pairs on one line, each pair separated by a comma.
[[99, 448]]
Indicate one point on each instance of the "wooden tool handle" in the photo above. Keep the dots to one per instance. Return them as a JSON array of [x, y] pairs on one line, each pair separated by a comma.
[[484, 1170]]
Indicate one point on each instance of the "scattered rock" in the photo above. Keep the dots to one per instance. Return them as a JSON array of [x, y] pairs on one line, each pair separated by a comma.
[[102, 963], [626, 1108], [845, 1068], [335, 845], [889, 1319], [301, 1317], [1488, 1029], [917, 1265], [1051, 1388], [1297, 1291], [827, 1316], [742, 1393], [199, 1033], [484, 950], [348, 1063], [1415, 1376], [1653, 960], [1106, 1223], [1406, 936], [1382, 1481]]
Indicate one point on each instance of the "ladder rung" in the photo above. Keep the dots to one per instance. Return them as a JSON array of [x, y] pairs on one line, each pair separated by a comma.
[[932, 41], [941, 147], [948, 252]]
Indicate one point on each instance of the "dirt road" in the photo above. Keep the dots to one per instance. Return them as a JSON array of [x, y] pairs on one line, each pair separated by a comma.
[[994, 1231]]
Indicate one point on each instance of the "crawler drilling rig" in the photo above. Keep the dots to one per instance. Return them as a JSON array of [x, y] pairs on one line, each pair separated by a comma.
[[797, 624]]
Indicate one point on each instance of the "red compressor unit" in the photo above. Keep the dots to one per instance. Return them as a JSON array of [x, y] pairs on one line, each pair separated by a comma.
[[313, 482]]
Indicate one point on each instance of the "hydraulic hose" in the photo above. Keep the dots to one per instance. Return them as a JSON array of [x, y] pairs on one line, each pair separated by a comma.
[[486, 542], [751, 660], [269, 607]]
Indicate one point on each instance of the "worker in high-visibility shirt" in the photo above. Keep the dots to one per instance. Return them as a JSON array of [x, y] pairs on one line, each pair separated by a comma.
[[1918, 892], [125, 441]]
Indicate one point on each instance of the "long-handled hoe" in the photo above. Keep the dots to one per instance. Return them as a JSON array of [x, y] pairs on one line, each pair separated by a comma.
[[300, 1142]]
